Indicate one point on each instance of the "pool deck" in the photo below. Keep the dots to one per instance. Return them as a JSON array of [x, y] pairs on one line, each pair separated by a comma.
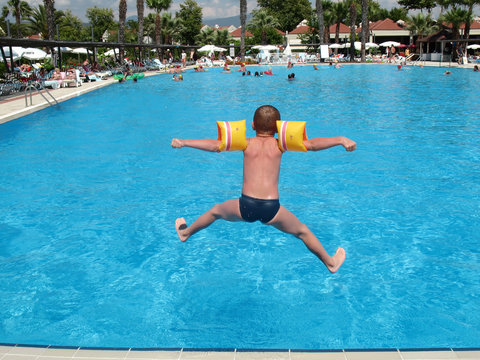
[[19, 352]]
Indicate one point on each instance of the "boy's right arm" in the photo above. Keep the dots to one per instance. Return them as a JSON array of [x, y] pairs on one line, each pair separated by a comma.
[[211, 145]]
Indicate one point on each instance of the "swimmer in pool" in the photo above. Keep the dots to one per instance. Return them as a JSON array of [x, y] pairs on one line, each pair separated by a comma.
[[260, 198]]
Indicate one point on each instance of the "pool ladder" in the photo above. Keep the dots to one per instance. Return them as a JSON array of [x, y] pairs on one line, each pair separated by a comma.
[[30, 88]]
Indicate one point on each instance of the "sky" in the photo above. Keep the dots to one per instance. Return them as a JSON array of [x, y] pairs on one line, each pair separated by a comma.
[[211, 8]]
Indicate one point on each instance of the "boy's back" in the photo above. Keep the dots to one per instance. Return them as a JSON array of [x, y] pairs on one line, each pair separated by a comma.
[[261, 167]]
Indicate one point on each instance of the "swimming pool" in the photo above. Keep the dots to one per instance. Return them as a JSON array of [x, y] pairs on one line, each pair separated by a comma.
[[89, 191]]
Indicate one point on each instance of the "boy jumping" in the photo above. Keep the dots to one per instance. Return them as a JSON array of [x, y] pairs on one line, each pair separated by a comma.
[[260, 199]]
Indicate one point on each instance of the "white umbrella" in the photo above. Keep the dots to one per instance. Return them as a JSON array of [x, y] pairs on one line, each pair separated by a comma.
[[336, 46], [288, 50], [65, 49], [34, 54], [265, 47], [390, 43], [81, 51], [473, 46], [369, 45], [17, 51], [211, 48], [112, 52]]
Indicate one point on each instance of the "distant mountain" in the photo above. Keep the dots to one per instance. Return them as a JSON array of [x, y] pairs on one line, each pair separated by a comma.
[[232, 20]]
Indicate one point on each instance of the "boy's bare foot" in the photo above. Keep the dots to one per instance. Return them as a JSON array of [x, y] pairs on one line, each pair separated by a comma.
[[338, 260], [180, 226]]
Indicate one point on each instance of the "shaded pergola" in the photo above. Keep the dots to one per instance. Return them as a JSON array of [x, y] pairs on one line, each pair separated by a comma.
[[55, 44]]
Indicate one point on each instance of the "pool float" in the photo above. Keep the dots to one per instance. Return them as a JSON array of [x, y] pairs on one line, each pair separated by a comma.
[[138, 76], [232, 134], [291, 135], [268, 72], [118, 76]]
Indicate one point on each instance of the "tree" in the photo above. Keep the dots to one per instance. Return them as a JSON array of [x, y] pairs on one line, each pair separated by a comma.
[[37, 22], [321, 20], [172, 27], [263, 21], [243, 25], [421, 25], [418, 4], [140, 10], [70, 27], [20, 9], [50, 11], [158, 6], [365, 28], [340, 13], [398, 14], [469, 15], [353, 16], [122, 15], [205, 37], [190, 15], [222, 37], [455, 17], [100, 20], [289, 13]]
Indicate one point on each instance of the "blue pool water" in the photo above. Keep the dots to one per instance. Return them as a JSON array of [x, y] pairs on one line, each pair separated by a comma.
[[90, 189]]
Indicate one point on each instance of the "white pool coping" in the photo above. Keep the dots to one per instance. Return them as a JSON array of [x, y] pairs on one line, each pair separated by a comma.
[[31, 352]]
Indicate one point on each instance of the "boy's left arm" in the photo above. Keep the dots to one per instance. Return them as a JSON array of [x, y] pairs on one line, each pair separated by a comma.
[[211, 145], [322, 143]]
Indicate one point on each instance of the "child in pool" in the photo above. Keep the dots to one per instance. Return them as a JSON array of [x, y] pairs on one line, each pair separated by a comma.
[[259, 200]]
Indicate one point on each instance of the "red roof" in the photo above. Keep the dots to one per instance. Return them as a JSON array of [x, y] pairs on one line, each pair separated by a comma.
[[343, 28], [35, 37], [304, 29], [280, 32], [238, 33], [473, 25], [387, 24]]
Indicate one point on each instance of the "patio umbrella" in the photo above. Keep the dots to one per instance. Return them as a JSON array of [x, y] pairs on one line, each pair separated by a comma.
[[336, 46], [390, 43], [17, 52], [371, 45], [34, 54], [265, 47], [81, 51], [473, 46], [288, 50], [112, 52], [211, 48]]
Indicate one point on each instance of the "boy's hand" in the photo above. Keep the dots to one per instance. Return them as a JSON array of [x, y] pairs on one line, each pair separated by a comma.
[[177, 143], [348, 144]]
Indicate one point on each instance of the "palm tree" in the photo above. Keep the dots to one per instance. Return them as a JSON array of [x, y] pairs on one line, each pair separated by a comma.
[[205, 37], [468, 20], [243, 24], [140, 9], [321, 20], [222, 37], [455, 17], [172, 27], [122, 15], [340, 12], [20, 9], [353, 16], [158, 6], [37, 22], [263, 20], [421, 25], [50, 10], [364, 27]]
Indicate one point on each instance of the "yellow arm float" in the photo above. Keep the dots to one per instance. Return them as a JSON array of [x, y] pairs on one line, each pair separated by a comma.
[[291, 135], [232, 134]]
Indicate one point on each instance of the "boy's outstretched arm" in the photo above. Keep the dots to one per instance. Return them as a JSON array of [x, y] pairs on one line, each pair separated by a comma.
[[322, 143], [201, 144]]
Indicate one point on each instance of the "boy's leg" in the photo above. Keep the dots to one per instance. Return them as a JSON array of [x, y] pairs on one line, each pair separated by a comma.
[[228, 210], [289, 223]]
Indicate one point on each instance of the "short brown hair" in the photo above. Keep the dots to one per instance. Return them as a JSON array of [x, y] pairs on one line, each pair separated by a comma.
[[265, 119]]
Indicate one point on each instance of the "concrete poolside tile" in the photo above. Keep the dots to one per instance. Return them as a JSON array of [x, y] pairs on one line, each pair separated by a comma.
[[53, 357], [373, 355], [161, 354], [5, 349], [317, 355], [468, 355], [54, 352], [101, 354], [220, 355], [428, 355], [27, 350], [18, 357], [262, 355]]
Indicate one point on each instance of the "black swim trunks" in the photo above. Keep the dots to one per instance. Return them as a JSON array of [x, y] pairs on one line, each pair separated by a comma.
[[253, 209]]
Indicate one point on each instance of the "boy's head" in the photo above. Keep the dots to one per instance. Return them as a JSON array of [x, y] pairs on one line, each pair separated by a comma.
[[265, 119]]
